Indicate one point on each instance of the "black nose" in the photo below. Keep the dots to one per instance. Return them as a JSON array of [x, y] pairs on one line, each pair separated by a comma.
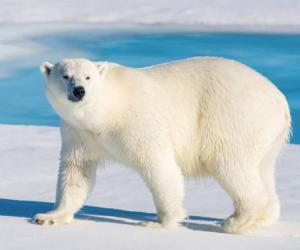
[[79, 92]]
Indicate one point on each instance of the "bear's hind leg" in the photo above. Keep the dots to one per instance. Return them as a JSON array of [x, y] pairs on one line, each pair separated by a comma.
[[244, 185], [267, 173], [272, 210]]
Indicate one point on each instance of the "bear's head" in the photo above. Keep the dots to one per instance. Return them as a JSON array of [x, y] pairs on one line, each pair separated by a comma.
[[71, 82]]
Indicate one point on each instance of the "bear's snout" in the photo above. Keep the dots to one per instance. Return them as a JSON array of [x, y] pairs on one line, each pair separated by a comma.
[[78, 92]]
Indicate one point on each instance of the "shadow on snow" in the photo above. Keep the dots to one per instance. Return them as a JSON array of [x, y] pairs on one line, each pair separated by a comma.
[[27, 209]]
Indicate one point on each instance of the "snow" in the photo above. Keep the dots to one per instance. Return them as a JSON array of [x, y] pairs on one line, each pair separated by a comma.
[[270, 12], [29, 162]]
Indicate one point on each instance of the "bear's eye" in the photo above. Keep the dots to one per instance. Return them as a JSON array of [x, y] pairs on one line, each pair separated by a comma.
[[65, 76], [87, 78]]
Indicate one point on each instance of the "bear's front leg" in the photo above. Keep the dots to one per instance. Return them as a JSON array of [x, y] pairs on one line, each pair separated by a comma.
[[166, 183], [73, 186], [75, 181]]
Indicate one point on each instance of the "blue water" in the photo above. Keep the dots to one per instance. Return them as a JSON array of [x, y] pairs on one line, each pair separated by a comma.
[[22, 99]]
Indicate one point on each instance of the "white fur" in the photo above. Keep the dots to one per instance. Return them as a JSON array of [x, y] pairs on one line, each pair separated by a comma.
[[196, 117]]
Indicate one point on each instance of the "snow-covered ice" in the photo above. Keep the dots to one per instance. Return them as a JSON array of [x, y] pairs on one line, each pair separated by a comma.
[[233, 12], [29, 162]]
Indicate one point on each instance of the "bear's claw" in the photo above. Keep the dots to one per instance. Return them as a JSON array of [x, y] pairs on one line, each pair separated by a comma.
[[52, 219], [42, 222]]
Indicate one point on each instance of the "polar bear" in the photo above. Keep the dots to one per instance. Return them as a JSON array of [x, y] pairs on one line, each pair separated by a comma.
[[201, 116]]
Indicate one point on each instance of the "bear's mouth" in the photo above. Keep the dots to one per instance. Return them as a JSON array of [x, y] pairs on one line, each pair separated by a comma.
[[74, 99]]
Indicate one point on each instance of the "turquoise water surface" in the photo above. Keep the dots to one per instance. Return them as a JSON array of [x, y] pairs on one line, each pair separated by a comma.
[[22, 99]]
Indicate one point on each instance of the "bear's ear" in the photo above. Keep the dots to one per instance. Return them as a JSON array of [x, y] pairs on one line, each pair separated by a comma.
[[46, 68], [102, 67]]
